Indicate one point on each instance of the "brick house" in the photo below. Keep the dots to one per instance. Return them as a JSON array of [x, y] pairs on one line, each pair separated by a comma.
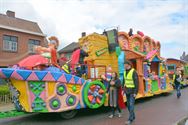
[[18, 38], [67, 51]]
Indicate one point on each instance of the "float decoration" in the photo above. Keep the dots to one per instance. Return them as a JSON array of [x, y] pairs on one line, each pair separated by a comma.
[[42, 86]]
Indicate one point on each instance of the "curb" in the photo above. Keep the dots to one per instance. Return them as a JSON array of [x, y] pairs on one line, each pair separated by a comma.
[[182, 121]]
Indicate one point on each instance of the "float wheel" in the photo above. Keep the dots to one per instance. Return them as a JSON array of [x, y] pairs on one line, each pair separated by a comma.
[[68, 114], [94, 94]]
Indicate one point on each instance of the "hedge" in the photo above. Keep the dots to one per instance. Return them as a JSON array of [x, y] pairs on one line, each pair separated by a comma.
[[12, 113], [4, 89]]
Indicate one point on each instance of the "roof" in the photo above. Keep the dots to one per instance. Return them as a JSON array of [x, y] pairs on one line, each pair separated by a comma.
[[130, 54], [182, 61], [69, 48], [153, 55], [20, 25]]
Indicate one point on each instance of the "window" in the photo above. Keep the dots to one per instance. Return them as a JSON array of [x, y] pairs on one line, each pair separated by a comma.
[[171, 67], [10, 43], [31, 44]]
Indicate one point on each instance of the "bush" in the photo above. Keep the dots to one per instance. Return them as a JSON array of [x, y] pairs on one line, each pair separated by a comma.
[[4, 89]]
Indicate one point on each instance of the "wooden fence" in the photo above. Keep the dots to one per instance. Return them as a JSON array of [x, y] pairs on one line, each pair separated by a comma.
[[7, 98]]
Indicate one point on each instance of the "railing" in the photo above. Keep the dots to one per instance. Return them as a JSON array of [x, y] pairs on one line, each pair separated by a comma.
[[6, 98]]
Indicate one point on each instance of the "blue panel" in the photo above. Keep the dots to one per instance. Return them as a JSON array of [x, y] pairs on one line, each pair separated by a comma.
[[7, 72], [40, 74], [82, 80], [68, 77], [76, 79], [24, 73], [56, 75], [121, 68], [155, 59], [78, 106]]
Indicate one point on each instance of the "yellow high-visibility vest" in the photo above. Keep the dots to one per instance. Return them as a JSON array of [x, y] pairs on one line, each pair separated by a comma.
[[129, 83], [173, 80], [66, 68]]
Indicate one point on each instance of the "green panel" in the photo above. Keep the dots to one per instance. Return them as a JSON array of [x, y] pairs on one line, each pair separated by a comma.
[[118, 51], [37, 87], [101, 51], [154, 86], [186, 69], [111, 36]]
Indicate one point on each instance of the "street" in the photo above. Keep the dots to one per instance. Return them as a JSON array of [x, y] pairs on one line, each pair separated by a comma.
[[158, 110]]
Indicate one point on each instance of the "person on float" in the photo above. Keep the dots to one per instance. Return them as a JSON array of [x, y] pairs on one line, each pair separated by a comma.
[[50, 51]]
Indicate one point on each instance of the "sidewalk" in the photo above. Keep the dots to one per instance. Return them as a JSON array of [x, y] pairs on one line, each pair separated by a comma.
[[183, 121], [6, 107]]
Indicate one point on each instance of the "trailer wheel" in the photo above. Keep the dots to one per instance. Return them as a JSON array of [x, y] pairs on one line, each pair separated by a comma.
[[94, 94], [68, 114]]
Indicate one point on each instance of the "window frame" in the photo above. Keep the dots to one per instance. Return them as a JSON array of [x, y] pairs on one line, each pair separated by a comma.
[[31, 44], [11, 44]]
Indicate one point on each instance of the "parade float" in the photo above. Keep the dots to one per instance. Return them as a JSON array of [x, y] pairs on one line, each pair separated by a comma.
[[172, 65], [44, 86]]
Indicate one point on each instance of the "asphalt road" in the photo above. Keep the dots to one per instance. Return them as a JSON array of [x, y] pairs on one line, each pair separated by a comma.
[[158, 110]]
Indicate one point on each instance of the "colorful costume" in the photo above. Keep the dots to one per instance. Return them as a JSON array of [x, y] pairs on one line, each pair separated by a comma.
[[51, 51], [115, 94]]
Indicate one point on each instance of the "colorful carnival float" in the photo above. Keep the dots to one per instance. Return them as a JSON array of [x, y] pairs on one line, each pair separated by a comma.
[[172, 65], [39, 84]]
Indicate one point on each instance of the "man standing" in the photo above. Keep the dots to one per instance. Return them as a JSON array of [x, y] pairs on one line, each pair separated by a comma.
[[177, 78], [130, 82]]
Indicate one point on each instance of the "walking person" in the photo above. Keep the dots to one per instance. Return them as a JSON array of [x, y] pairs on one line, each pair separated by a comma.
[[115, 95], [177, 78], [130, 81]]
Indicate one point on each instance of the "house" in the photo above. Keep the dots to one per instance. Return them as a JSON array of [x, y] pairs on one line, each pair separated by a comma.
[[18, 38], [67, 50]]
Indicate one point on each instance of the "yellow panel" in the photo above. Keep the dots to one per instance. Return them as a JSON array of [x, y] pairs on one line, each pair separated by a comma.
[[51, 88], [78, 88], [21, 86]]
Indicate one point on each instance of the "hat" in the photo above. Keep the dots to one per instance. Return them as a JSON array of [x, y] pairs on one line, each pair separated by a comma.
[[128, 62], [54, 40]]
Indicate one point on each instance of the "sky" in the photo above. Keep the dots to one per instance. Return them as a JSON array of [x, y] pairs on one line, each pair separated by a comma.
[[163, 20]]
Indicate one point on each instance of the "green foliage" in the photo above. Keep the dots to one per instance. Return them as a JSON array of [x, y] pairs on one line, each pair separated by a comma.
[[4, 89], [186, 69], [13, 113]]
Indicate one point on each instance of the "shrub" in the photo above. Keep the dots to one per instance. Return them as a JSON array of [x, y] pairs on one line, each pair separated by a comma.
[[4, 89]]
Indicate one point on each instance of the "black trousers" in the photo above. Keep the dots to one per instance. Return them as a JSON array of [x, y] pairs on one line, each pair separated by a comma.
[[114, 109]]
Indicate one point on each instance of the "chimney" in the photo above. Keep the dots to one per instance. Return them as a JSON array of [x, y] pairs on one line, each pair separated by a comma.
[[83, 34], [10, 13]]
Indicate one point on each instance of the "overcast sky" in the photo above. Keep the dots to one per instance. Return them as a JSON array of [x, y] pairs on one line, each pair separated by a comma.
[[163, 20]]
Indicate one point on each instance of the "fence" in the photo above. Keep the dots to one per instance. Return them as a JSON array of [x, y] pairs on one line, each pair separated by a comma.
[[6, 98]]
